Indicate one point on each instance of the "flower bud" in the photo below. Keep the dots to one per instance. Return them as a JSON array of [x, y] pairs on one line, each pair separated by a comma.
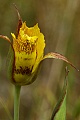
[[28, 49], [26, 53]]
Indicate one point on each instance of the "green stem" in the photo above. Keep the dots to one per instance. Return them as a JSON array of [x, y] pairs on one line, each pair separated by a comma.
[[16, 102]]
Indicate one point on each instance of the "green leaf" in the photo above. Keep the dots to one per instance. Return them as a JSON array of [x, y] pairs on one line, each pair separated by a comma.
[[59, 112], [10, 63]]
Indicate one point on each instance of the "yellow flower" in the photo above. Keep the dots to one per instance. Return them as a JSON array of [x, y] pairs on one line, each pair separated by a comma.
[[29, 48], [26, 53]]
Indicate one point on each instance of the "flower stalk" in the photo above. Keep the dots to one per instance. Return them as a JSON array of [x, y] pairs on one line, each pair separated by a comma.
[[16, 102]]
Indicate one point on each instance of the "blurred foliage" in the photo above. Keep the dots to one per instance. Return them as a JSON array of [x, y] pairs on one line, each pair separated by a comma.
[[59, 20]]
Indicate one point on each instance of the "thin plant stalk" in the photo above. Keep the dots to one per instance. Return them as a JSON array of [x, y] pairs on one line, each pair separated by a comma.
[[16, 102]]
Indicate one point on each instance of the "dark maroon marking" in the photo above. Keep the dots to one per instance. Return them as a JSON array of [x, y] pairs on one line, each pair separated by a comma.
[[18, 27], [22, 71]]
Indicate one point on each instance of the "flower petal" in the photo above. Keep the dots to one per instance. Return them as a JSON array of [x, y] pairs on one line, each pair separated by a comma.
[[58, 56]]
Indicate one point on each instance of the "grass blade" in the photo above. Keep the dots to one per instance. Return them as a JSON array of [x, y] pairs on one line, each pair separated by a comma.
[[59, 112]]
